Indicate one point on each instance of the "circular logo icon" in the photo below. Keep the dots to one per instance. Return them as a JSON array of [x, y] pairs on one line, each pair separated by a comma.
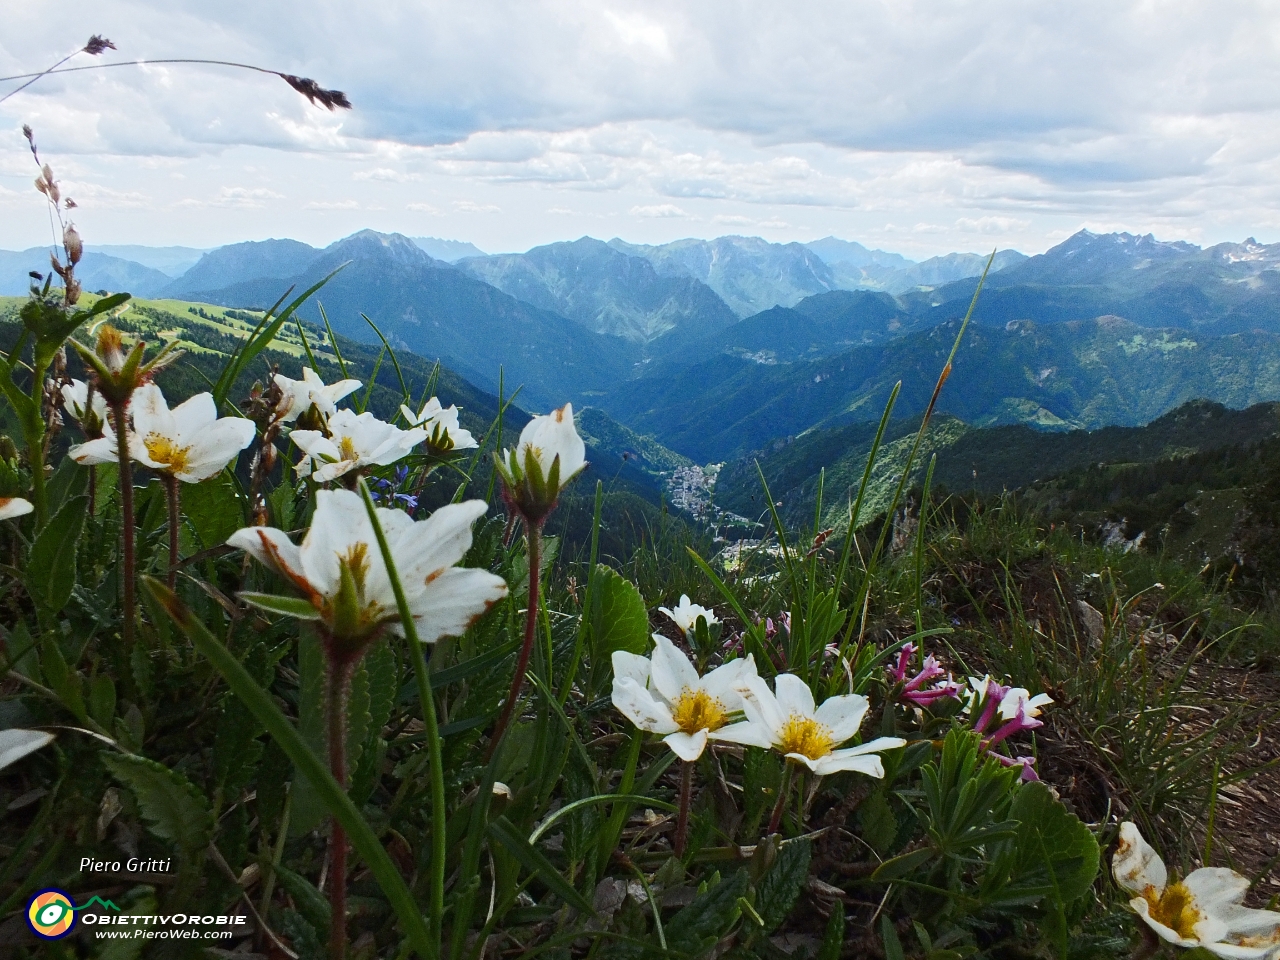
[[51, 914]]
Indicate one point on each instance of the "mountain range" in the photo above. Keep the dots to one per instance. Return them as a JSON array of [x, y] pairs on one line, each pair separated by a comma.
[[721, 348]]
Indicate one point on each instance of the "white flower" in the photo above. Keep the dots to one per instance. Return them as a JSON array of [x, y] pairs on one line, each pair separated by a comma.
[[790, 724], [299, 395], [545, 439], [686, 614], [663, 694], [355, 441], [339, 567], [11, 507], [190, 441], [75, 399], [16, 744], [1020, 698], [1203, 910], [441, 426]]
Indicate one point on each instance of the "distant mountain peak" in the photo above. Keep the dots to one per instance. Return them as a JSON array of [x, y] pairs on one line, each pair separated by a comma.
[[371, 243]]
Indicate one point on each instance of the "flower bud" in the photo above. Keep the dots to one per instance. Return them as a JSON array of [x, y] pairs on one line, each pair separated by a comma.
[[73, 244]]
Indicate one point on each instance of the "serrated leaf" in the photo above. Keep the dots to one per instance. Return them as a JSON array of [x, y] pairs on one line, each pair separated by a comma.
[[833, 940], [51, 566], [311, 902], [357, 715], [778, 889], [617, 620], [172, 807], [236, 749], [306, 809], [709, 916], [1052, 854], [214, 509]]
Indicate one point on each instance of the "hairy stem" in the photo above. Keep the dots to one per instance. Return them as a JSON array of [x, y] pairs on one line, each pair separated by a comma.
[[174, 496], [126, 519], [340, 668], [93, 489], [682, 818], [784, 788], [533, 534]]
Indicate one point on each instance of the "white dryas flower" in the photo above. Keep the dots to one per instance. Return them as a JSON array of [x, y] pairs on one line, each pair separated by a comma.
[[191, 441], [441, 425], [789, 723], [11, 507], [299, 395], [662, 693], [339, 568], [548, 455], [1204, 909], [89, 413], [355, 441], [686, 614]]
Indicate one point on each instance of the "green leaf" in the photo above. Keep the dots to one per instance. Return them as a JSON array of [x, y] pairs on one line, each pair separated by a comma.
[[102, 699], [778, 889], [311, 902], [285, 606], [833, 940], [532, 860], [879, 825], [214, 509], [709, 917], [1051, 855], [902, 865], [51, 567], [358, 718], [173, 808], [307, 809], [338, 803], [889, 935], [236, 748], [618, 620], [64, 681]]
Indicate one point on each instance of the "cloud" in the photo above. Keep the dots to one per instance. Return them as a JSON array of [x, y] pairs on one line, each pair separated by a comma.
[[333, 205], [470, 206], [658, 210], [423, 208], [1024, 122]]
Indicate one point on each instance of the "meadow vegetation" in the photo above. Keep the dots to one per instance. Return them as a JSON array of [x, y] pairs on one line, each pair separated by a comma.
[[386, 679]]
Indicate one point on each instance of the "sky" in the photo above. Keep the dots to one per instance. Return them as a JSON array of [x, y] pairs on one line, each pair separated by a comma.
[[915, 127]]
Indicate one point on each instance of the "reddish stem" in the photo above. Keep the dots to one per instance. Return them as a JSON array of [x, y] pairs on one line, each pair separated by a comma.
[[126, 518], [533, 534]]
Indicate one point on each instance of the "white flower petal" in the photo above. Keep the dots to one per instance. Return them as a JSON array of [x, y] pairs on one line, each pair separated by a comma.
[[640, 707], [631, 665], [746, 732], [794, 696], [839, 761], [11, 507], [813, 765], [724, 682], [217, 445], [671, 671], [274, 549], [761, 706], [16, 744], [102, 450], [150, 412], [842, 715], [1212, 887], [340, 524], [1143, 909], [1136, 865], [453, 601], [422, 549], [551, 436], [687, 746], [193, 415]]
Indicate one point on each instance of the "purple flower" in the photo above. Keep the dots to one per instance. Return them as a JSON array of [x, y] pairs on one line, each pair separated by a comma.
[[914, 690]]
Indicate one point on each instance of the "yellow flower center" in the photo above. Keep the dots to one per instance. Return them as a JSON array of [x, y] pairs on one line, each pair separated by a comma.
[[165, 452], [806, 737], [697, 710], [347, 449], [1174, 909], [357, 561]]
